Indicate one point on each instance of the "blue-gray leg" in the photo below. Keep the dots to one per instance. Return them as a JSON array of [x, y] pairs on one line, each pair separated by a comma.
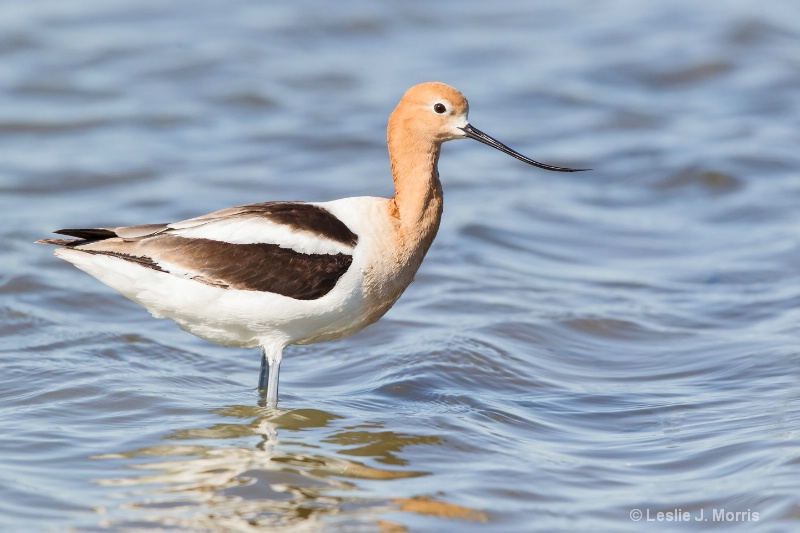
[[270, 372]]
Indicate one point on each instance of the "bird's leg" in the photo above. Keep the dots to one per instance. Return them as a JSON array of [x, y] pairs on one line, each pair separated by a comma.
[[270, 372], [262, 376]]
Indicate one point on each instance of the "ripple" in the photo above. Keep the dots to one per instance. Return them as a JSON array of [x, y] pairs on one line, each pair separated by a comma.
[[42, 127]]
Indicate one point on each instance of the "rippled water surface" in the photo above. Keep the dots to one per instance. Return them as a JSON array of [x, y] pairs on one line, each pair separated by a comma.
[[576, 350]]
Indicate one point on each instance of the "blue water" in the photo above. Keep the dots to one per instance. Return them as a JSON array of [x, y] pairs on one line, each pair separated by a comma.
[[578, 352]]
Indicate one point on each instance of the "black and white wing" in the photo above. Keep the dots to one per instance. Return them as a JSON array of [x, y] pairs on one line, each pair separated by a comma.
[[295, 249]]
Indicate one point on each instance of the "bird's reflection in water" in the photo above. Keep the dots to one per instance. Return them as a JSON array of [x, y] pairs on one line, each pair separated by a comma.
[[296, 477]]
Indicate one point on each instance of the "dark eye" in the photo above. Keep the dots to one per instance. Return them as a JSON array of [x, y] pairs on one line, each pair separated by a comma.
[[439, 108]]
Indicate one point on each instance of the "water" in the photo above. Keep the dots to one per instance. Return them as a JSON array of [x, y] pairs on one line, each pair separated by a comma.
[[576, 348]]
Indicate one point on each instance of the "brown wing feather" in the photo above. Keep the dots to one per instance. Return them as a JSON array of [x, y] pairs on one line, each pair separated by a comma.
[[296, 215], [305, 217], [249, 267]]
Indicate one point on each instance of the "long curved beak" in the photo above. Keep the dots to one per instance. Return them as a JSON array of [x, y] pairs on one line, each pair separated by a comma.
[[472, 132]]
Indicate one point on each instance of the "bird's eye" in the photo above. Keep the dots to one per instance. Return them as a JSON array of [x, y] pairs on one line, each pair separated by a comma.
[[439, 108]]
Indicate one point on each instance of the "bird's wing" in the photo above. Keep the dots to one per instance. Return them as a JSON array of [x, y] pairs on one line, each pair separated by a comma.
[[299, 250]]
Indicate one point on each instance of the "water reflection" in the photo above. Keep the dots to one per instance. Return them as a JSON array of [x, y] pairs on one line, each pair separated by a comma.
[[285, 470]]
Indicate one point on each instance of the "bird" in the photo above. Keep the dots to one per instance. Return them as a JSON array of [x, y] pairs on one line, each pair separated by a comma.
[[283, 273]]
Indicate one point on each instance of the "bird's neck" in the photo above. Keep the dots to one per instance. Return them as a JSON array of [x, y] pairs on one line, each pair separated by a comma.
[[417, 202]]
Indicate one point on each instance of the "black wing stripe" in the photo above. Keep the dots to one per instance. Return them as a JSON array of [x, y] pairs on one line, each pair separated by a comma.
[[90, 234]]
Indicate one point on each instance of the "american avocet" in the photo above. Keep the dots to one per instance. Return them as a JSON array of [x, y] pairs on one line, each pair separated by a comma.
[[281, 273]]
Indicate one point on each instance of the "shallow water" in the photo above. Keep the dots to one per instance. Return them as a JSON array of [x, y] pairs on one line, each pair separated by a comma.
[[576, 348]]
